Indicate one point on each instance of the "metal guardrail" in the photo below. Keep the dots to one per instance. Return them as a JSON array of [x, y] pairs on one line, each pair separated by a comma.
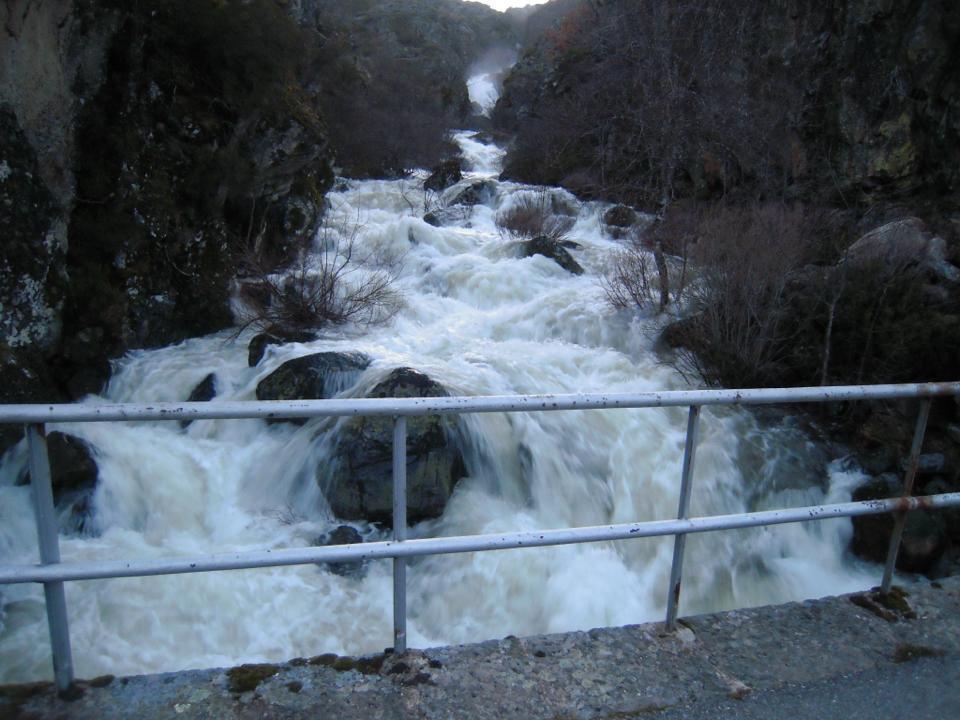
[[53, 574]]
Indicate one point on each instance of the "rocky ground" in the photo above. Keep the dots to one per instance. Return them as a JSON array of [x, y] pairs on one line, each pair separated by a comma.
[[741, 663]]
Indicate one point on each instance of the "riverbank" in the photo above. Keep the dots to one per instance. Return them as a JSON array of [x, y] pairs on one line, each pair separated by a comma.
[[625, 672]]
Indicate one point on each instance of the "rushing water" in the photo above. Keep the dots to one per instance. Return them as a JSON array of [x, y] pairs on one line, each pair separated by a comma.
[[481, 320], [483, 85]]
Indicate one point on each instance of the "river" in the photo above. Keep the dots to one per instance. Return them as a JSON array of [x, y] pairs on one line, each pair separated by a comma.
[[481, 320]]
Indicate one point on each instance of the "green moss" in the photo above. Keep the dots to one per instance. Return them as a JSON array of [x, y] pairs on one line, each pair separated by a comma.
[[892, 606], [327, 659], [898, 156], [368, 665], [248, 677], [896, 600], [101, 681], [906, 652], [344, 664]]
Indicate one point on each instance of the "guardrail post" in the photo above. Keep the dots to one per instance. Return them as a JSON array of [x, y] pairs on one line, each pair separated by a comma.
[[46, 516], [900, 517], [683, 512], [399, 533]]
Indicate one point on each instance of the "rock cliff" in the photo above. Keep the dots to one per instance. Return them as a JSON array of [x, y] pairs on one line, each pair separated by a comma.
[[848, 102], [147, 148]]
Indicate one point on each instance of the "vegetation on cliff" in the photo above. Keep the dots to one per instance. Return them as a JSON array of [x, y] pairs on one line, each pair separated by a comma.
[[392, 75], [802, 161], [648, 101]]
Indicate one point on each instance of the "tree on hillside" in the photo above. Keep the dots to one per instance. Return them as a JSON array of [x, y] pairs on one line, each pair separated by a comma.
[[660, 99]]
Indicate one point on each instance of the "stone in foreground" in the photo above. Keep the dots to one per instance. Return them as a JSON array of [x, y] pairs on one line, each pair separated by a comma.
[[358, 484]]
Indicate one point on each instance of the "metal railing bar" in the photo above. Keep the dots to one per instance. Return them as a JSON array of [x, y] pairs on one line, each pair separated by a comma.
[[461, 544], [400, 534], [49, 542], [900, 518], [284, 409], [683, 511]]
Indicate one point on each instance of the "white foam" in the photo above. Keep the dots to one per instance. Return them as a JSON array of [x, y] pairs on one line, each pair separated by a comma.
[[482, 320]]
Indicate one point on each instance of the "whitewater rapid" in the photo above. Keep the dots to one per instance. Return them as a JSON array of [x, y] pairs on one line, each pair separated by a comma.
[[481, 320]]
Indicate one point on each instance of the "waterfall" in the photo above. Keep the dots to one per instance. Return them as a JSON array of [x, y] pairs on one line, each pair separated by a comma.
[[480, 319]]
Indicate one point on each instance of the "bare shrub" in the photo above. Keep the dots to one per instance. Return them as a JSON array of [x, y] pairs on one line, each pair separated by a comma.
[[655, 101], [334, 286], [740, 332], [628, 283], [533, 217], [652, 266]]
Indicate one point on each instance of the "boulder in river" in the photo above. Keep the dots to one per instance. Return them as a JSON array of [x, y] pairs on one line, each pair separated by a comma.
[[204, 391], [620, 216], [358, 483], [342, 535], [618, 220], [553, 249], [479, 192], [444, 175], [313, 377], [447, 216], [73, 475], [259, 344]]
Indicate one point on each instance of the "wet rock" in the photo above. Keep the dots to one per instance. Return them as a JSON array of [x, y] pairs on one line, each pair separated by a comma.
[[447, 216], [924, 534], [620, 216], [480, 192], [73, 476], [359, 485], [259, 344], [72, 465], [618, 221], [342, 535], [444, 175], [553, 249], [313, 377], [205, 390]]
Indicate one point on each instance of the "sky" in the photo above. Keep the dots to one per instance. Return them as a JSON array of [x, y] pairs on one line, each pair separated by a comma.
[[504, 4]]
